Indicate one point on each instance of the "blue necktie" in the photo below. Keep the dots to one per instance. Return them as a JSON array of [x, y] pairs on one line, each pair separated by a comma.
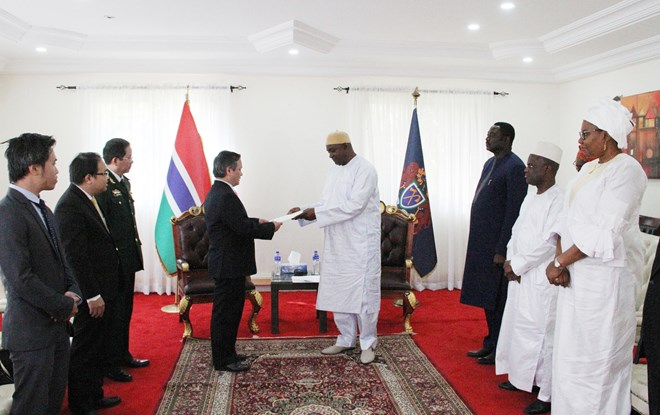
[[49, 225]]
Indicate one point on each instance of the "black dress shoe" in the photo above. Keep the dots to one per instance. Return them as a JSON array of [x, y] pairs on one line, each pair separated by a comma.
[[537, 407], [118, 375], [507, 386], [107, 402], [241, 357], [479, 353], [487, 360], [136, 363], [235, 367]]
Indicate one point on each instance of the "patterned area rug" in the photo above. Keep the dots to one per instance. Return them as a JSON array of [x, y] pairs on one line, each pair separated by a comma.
[[290, 376]]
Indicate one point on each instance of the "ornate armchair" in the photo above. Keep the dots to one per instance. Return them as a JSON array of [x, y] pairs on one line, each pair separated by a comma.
[[396, 259], [191, 245]]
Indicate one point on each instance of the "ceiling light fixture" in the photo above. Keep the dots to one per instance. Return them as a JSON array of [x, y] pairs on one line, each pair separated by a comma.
[[473, 27], [507, 6], [41, 49], [109, 17], [293, 51], [528, 59]]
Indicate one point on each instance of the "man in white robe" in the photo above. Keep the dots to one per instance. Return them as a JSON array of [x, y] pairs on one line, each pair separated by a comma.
[[524, 349], [350, 270]]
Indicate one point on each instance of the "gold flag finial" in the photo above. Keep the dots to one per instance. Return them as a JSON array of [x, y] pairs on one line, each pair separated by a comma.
[[416, 95]]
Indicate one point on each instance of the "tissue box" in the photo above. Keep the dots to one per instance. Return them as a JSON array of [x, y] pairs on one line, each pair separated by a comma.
[[288, 269]]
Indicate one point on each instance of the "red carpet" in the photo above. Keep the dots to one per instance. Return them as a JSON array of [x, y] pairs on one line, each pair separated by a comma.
[[445, 331]]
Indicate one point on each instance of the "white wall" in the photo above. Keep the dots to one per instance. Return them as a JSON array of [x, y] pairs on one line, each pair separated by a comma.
[[279, 125]]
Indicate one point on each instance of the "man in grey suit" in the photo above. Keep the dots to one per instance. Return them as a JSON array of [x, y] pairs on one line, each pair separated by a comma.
[[42, 295]]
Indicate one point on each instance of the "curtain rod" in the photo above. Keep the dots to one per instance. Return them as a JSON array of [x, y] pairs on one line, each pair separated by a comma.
[[429, 91], [231, 88]]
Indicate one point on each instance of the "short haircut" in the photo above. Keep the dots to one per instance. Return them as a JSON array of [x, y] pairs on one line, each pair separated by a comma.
[[115, 147], [26, 150], [507, 130], [82, 165], [223, 160]]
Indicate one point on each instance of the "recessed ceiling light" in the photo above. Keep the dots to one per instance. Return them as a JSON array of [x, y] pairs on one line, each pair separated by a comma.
[[109, 17], [528, 59], [507, 6], [293, 51], [41, 49], [473, 27]]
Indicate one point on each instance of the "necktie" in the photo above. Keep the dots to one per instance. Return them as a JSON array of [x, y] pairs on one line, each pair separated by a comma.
[[98, 209], [49, 225]]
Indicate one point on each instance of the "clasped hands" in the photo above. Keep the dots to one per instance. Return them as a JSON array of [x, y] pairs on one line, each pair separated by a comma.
[[557, 275]]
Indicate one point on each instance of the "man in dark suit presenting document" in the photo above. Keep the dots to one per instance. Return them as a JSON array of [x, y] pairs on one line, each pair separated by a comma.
[[231, 257]]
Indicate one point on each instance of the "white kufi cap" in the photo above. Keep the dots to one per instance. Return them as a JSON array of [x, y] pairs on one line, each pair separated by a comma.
[[611, 116], [548, 150]]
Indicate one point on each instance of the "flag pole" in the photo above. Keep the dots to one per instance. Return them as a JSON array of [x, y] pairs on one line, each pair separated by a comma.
[[173, 308]]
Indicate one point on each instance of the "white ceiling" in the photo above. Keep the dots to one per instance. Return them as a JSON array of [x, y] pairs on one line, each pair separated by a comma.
[[567, 39]]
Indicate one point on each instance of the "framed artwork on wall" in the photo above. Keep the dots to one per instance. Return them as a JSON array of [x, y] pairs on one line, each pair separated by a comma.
[[644, 139]]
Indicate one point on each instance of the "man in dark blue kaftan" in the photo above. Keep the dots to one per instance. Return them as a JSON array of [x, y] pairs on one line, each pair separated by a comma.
[[500, 192]]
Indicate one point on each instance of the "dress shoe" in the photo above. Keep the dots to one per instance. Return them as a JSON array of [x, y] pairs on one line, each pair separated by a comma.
[[107, 402], [241, 357], [487, 360], [335, 349], [507, 386], [537, 407], [118, 375], [367, 356], [136, 363], [235, 367], [479, 353]]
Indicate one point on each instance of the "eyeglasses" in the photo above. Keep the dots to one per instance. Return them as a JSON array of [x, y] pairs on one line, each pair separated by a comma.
[[584, 134], [127, 158], [105, 173]]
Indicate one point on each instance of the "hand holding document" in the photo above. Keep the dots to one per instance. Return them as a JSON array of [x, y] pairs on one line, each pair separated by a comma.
[[286, 217]]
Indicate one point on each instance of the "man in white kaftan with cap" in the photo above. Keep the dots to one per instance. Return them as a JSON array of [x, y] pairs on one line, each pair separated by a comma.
[[598, 263], [524, 348], [350, 270]]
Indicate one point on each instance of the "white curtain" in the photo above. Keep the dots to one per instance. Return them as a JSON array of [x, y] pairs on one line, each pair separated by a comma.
[[453, 126], [148, 117]]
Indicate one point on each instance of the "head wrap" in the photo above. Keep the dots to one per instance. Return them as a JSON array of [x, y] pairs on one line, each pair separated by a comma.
[[338, 137], [548, 150], [611, 116], [580, 155]]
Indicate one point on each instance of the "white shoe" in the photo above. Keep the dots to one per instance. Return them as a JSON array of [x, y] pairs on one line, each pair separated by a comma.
[[367, 356], [335, 349]]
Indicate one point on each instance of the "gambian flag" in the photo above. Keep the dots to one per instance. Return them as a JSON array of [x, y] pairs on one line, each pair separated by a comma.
[[188, 182], [414, 198]]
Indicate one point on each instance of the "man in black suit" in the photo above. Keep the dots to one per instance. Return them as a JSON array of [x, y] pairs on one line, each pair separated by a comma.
[[42, 294], [91, 254], [650, 342], [117, 204], [231, 257]]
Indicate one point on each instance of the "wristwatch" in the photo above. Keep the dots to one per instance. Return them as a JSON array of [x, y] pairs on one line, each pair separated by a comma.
[[557, 264]]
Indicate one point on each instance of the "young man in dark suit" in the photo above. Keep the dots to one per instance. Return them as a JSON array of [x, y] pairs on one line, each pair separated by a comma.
[[42, 294], [91, 254], [117, 204], [231, 257]]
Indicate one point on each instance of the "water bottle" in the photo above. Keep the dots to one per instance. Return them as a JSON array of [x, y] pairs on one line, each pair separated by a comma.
[[316, 265], [277, 272]]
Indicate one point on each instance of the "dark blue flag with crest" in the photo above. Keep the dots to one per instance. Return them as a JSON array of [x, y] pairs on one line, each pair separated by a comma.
[[414, 198]]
